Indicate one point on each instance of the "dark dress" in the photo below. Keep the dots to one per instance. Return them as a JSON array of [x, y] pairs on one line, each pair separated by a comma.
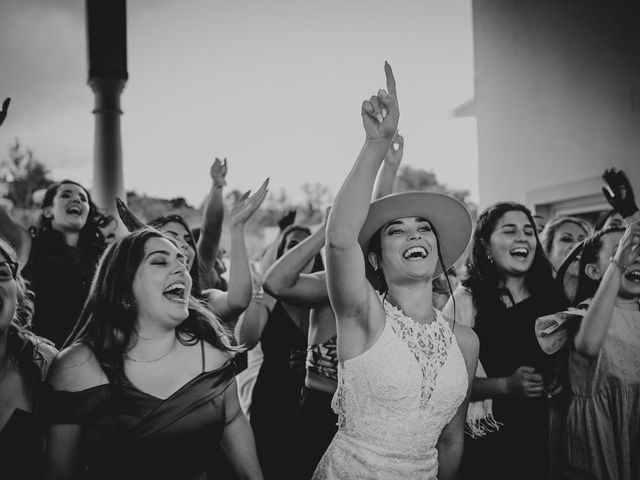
[[60, 277], [316, 422], [129, 434], [519, 449], [276, 393], [22, 437]]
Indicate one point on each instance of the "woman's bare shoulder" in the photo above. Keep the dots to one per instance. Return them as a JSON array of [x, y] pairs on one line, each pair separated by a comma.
[[76, 368]]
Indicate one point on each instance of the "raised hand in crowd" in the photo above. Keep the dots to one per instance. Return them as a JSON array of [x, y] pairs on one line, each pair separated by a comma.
[[5, 110], [389, 169], [237, 298], [619, 193], [212, 219]]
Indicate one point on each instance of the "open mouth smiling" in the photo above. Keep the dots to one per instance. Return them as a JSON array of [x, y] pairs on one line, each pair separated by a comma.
[[520, 253], [633, 276], [74, 210], [415, 253], [175, 292]]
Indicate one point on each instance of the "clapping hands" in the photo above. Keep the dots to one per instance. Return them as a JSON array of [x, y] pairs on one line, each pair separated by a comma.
[[247, 205], [380, 114]]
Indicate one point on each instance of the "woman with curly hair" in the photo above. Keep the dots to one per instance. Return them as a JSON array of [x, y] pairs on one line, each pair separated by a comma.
[[59, 257], [24, 361], [146, 388], [508, 285]]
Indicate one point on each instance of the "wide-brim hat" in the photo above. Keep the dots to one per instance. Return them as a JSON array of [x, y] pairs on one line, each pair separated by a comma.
[[448, 216]]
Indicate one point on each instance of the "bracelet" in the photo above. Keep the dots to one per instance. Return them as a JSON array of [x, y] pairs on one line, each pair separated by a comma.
[[622, 268], [258, 295]]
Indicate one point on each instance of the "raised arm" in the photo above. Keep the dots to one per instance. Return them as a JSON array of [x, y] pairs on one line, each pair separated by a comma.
[[248, 329], [349, 291], [285, 280], [212, 217], [595, 324], [5, 110], [619, 193], [389, 169], [236, 299]]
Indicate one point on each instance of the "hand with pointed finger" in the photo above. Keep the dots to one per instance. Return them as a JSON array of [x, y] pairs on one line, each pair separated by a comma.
[[396, 149], [5, 109], [218, 172], [246, 206], [380, 114], [619, 192]]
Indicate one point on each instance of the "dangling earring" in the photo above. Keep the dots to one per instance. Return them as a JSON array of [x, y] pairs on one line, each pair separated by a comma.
[[489, 257]]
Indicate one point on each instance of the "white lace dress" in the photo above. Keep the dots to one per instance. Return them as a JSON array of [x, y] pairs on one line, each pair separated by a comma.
[[394, 400]]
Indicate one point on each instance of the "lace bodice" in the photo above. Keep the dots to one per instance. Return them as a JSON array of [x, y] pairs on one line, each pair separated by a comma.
[[393, 401]]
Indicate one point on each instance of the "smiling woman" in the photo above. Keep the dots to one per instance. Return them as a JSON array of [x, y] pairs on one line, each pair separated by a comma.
[[404, 372], [59, 258], [149, 379], [509, 284]]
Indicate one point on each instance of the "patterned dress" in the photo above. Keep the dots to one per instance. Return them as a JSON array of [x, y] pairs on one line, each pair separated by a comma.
[[603, 423], [393, 401]]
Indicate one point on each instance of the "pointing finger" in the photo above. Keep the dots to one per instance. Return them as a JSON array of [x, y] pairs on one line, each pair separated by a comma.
[[391, 81]]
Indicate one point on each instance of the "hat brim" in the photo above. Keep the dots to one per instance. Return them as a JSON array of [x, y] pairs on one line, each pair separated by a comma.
[[448, 216], [569, 272]]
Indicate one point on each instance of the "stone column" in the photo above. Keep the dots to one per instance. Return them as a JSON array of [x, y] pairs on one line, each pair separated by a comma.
[[107, 42]]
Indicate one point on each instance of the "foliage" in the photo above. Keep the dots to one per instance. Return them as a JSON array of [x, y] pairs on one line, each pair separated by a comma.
[[23, 174], [412, 179]]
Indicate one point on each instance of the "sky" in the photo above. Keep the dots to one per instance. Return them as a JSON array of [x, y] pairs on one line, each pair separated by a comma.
[[275, 87]]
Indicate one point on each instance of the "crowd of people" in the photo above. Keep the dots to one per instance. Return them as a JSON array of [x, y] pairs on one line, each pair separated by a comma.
[[397, 339]]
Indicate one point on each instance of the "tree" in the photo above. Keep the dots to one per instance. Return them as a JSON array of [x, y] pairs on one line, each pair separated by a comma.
[[416, 179], [23, 174], [317, 198]]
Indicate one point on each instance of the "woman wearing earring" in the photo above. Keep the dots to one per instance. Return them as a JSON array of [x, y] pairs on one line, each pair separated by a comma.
[[24, 362], [146, 388], [60, 257], [403, 374], [508, 285]]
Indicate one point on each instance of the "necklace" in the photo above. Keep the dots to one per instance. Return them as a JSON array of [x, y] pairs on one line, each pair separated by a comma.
[[140, 360]]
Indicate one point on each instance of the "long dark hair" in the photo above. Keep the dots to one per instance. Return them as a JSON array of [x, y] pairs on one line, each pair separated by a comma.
[[91, 238], [21, 342], [107, 323], [485, 282], [194, 271]]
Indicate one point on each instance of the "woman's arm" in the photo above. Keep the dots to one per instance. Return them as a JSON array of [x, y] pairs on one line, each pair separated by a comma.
[[212, 217], [451, 441], [595, 324], [284, 280], [348, 288], [389, 169], [248, 329], [75, 369], [237, 298], [237, 438]]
